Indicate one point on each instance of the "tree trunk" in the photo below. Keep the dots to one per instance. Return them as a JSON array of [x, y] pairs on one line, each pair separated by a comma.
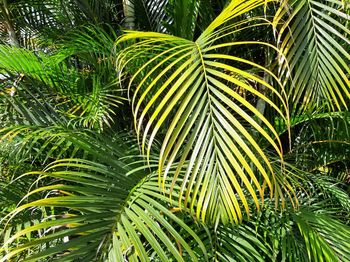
[[8, 24]]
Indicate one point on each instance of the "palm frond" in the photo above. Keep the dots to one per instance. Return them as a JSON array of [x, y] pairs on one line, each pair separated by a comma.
[[184, 16], [106, 211], [320, 143], [241, 243], [326, 238], [87, 97], [44, 21], [313, 36], [191, 88], [150, 15]]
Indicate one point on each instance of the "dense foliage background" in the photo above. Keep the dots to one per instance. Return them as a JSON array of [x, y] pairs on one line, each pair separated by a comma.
[[219, 131]]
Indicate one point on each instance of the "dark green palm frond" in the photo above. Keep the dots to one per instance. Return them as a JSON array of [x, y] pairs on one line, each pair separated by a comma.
[[320, 143], [326, 239], [34, 18], [95, 195], [184, 15], [207, 12], [48, 19], [11, 193], [100, 12], [179, 18], [302, 235], [92, 44], [150, 15], [34, 107], [289, 235], [314, 38], [41, 144], [148, 211], [319, 230], [44, 143], [89, 97], [97, 94], [106, 211], [312, 236], [191, 88], [241, 243], [94, 104], [29, 103], [332, 191]]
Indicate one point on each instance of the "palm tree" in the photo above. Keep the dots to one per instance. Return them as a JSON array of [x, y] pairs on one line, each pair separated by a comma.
[[219, 132]]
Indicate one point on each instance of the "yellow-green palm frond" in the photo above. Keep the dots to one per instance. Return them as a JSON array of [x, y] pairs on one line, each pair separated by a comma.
[[212, 130]]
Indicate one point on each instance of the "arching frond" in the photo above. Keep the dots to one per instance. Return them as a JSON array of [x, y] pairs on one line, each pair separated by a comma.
[[326, 238], [314, 37], [193, 89], [43, 20], [88, 98], [241, 243], [320, 143], [150, 15], [220, 167], [103, 212]]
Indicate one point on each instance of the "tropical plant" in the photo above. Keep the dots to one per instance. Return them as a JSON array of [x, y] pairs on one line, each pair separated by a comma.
[[217, 132]]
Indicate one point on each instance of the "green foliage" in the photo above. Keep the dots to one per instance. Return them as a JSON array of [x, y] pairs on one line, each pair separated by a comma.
[[218, 132]]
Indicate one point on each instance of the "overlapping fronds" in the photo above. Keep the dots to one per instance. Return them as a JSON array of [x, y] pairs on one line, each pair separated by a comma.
[[305, 236], [40, 14], [241, 243], [45, 19], [88, 97], [193, 89], [320, 143], [102, 214], [177, 18], [314, 37], [36, 65], [240, 107], [284, 236], [44, 143], [149, 15], [322, 244], [149, 202], [184, 15], [92, 44]]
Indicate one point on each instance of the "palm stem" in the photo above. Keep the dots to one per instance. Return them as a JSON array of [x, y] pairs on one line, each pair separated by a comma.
[[8, 24]]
